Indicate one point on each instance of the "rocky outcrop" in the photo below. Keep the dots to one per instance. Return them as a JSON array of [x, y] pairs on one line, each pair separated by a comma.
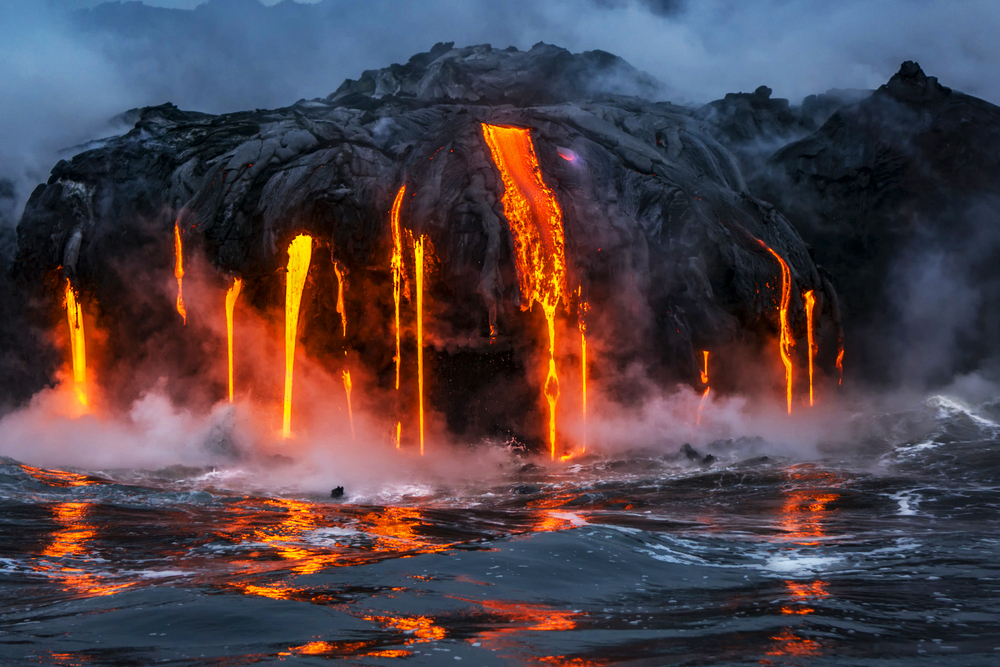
[[897, 196], [663, 238]]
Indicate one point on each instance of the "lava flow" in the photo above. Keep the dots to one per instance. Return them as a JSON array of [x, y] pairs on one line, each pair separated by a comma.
[[536, 226], [840, 361], [785, 342], [347, 389], [338, 269], [231, 295], [396, 264], [74, 314], [179, 271], [704, 396], [810, 300], [418, 258], [582, 324], [299, 256]]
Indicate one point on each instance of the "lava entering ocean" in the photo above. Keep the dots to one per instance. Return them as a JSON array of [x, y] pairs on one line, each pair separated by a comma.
[[231, 296], [418, 258], [539, 244], [299, 256], [78, 346]]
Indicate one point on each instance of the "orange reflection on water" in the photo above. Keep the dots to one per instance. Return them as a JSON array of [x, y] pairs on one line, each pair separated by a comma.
[[803, 516], [421, 627], [69, 544], [515, 618]]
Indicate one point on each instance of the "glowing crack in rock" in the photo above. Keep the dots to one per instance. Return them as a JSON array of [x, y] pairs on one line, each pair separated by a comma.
[[536, 227], [396, 265], [179, 271], [785, 341], [299, 256]]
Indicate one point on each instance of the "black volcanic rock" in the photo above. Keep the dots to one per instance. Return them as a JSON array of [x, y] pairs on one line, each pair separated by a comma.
[[662, 236], [544, 75], [27, 362], [889, 191]]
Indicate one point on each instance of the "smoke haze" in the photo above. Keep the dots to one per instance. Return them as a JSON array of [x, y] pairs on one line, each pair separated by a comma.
[[68, 66]]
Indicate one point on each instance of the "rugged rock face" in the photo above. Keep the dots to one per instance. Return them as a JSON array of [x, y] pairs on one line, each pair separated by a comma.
[[897, 195], [663, 239], [27, 361]]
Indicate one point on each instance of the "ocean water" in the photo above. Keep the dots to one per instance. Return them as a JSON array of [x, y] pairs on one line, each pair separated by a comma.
[[885, 553]]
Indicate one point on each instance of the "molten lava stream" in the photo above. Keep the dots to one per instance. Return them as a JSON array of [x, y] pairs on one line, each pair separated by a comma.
[[299, 256], [536, 226], [704, 396], [418, 257], [396, 264], [179, 271], [231, 295], [347, 389], [785, 342], [840, 361], [582, 324], [810, 300], [340, 295], [77, 341]]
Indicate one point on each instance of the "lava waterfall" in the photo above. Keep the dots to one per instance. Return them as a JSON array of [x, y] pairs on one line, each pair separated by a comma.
[[470, 245]]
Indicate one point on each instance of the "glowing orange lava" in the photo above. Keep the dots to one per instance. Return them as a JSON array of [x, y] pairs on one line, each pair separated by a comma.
[[299, 256], [418, 257], [396, 264], [840, 361], [536, 226], [786, 342], [704, 396], [582, 324], [179, 271], [340, 296], [810, 300], [78, 347], [231, 295], [399, 433], [347, 388]]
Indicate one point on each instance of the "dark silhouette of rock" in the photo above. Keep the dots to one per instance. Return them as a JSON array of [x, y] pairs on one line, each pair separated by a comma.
[[337, 492], [891, 190], [663, 238]]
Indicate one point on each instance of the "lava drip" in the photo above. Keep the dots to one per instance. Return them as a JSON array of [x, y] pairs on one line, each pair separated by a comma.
[[536, 226], [77, 341], [339, 270], [299, 256], [396, 264], [810, 300], [704, 396], [785, 342], [418, 258], [179, 271], [582, 325], [840, 361], [347, 389], [231, 295]]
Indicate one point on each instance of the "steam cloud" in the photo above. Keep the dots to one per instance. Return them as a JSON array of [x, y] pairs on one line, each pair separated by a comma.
[[67, 75]]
